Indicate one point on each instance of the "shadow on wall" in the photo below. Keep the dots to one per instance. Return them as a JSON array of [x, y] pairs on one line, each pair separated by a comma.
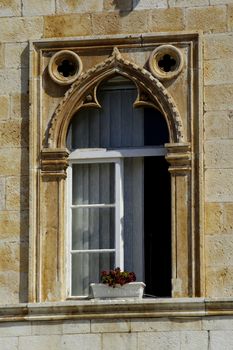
[[125, 6]]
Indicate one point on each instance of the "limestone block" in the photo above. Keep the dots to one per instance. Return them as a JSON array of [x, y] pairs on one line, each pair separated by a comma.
[[208, 19], [110, 326], [82, 326], [16, 329], [187, 3], [221, 340], [41, 342], [218, 46], [194, 340], [84, 341], [217, 323], [219, 185], [219, 250], [4, 110], [164, 324], [69, 25], [14, 256], [219, 281], [72, 6], [149, 4], [17, 193], [118, 341], [21, 29], [43, 328], [213, 218], [218, 71], [9, 343], [218, 154], [14, 161], [13, 80], [159, 340], [10, 8], [36, 8], [13, 133], [228, 217], [19, 106], [13, 223], [218, 97], [112, 23], [2, 55], [220, 2], [13, 289], [2, 193], [230, 17], [218, 125], [163, 20], [16, 55]]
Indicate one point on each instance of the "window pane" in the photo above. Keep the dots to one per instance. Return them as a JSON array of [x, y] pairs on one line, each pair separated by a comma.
[[93, 183], [93, 228], [86, 269]]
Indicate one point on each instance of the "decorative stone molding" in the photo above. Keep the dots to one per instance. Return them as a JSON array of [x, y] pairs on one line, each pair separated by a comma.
[[54, 162], [179, 157], [65, 67], [166, 62]]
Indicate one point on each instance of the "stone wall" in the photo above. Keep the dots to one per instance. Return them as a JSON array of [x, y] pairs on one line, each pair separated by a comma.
[[23, 20]]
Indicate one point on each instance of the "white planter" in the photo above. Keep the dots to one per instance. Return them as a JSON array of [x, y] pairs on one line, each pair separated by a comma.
[[129, 290]]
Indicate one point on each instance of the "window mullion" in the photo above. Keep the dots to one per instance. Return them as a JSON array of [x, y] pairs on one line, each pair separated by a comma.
[[119, 214]]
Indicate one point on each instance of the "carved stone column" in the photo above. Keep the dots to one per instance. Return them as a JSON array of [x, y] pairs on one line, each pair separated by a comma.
[[179, 158]]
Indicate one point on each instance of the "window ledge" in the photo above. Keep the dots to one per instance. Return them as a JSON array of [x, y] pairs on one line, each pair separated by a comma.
[[112, 309]]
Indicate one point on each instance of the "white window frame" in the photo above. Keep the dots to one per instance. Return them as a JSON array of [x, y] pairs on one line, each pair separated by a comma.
[[102, 155]]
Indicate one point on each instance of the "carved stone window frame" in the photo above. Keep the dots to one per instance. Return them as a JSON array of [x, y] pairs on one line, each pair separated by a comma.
[[49, 156]]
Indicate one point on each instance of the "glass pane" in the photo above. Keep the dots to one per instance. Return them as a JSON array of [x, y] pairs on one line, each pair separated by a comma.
[[93, 183], [93, 228], [86, 269]]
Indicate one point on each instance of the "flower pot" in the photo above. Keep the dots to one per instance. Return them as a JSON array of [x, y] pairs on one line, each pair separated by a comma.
[[128, 290]]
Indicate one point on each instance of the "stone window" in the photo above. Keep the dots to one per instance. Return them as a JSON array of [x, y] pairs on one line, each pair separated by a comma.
[[115, 164]]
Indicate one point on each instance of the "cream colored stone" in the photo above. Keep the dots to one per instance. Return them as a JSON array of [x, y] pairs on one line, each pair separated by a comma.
[[219, 250], [9, 343], [14, 161], [15, 329], [219, 185], [218, 154], [219, 281], [194, 340], [42, 342], [70, 327], [218, 46], [14, 256], [163, 20], [221, 340], [44, 328], [217, 323], [36, 8], [84, 341], [221, 2], [230, 17], [213, 218], [13, 80], [13, 133], [110, 326], [121, 341], [2, 55], [228, 217], [21, 29], [164, 324], [112, 23], [16, 55], [218, 125], [17, 193], [163, 341], [209, 19], [10, 8], [218, 97], [19, 106], [13, 223], [2, 193], [69, 25], [219, 71], [187, 3], [72, 6], [13, 290], [4, 110], [149, 4]]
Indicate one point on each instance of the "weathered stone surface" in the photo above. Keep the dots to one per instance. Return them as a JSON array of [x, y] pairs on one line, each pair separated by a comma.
[[21, 29], [166, 20], [103, 326], [121, 341], [217, 323], [149, 4], [10, 8], [218, 71], [219, 250], [221, 2], [13, 223], [70, 327], [9, 343], [4, 110], [44, 328], [13, 133], [84, 341], [213, 218], [14, 256], [14, 161], [228, 217], [19, 106], [13, 289], [15, 329], [187, 3], [208, 19], [219, 185], [194, 340], [36, 8], [163, 341], [67, 25], [13, 80], [164, 324], [2, 193], [219, 281], [16, 55], [218, 97], [230, 17], [41, 342], [17, 193], [218, 154], [218, 125], [72, 6], [221, 340], [218, 46]]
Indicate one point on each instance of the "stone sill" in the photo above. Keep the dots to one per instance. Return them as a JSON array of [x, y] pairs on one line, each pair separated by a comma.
[[113, 309]]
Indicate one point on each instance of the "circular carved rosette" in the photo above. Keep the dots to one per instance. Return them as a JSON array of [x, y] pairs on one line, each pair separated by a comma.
[[166, 62], [65, 67]]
